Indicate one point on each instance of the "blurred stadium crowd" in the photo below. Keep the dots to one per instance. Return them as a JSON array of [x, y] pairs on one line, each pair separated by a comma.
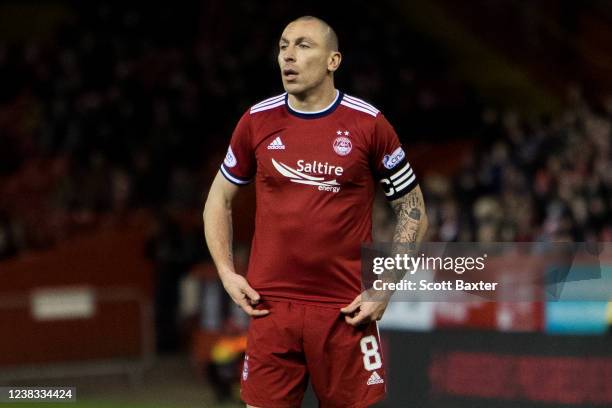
[[538, 180], [132, 108]]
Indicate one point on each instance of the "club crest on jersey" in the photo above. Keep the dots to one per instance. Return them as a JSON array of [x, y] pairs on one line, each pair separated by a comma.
[[342, 146], [393, 159], [230, 159]]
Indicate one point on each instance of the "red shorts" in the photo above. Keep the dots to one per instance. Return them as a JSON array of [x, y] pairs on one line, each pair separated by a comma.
[[296, 341]]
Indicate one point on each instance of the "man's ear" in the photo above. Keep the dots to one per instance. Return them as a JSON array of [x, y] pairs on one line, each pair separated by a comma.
[[333, 63]]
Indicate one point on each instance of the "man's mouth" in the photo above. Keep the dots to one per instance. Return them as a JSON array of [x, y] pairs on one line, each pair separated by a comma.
[[290, 74]]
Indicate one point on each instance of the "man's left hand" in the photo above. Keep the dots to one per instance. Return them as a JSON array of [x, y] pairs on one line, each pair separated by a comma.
[[363, 312]]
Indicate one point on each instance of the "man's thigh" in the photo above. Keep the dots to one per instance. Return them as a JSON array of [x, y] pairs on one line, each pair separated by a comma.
[[274, 374], [345, 362]]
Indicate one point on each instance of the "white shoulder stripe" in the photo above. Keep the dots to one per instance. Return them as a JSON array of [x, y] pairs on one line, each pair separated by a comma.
[[359, 108], [266, 101], [261, 105], [266, 107], [360, 102], [362, 105], [267, 104], [270, 98]]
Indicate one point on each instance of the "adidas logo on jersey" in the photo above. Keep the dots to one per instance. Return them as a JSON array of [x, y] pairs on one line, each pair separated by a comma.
[[375, 379], [276, 144]]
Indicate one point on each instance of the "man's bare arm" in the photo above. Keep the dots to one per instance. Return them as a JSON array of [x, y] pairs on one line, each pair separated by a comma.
[[218, 231], [410, 228], [412, 219], [218, 223], [409, 232]]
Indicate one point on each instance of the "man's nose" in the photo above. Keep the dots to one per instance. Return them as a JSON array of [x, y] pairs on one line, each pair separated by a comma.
[[289, 55]]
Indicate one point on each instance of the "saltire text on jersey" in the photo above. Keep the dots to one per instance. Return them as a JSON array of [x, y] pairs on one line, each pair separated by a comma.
[[315, 176]]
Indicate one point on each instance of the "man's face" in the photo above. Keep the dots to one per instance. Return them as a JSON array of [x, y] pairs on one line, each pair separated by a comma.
[[304, 56]]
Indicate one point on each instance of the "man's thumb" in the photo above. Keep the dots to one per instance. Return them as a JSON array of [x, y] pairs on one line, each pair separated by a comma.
[[352, 307], [251, 294]]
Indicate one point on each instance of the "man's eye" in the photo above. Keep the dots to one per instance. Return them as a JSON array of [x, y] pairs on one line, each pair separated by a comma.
[[304, 46], [282, 47]]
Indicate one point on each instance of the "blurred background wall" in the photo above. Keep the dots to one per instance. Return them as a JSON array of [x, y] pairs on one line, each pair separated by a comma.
[[114, 118]]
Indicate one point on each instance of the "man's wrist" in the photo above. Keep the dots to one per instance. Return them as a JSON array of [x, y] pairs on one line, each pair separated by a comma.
[[225, 272]]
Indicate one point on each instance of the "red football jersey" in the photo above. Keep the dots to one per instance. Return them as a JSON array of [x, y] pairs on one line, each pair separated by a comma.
[[315, 176]]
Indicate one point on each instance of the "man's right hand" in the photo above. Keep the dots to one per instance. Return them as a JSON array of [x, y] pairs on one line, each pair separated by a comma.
[[242, 294]]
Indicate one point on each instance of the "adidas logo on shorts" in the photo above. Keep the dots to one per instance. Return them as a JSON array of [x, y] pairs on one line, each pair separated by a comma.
[[276, 144], [375, 379]]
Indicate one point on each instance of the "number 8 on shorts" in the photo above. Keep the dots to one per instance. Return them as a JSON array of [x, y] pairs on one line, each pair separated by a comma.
[[369, 348]]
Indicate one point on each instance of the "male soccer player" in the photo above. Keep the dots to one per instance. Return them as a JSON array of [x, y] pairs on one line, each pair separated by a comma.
[[315, 154]]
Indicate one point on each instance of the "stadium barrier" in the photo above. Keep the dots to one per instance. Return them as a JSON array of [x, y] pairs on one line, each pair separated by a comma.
[[81, 308], [76, 331]]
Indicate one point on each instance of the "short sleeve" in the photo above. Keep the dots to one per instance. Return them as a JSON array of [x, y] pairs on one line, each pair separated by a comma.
[[239, 165], [389, 163]]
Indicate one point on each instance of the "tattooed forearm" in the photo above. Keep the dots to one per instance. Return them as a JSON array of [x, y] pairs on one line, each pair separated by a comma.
[[410, 228], [410, 211]]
